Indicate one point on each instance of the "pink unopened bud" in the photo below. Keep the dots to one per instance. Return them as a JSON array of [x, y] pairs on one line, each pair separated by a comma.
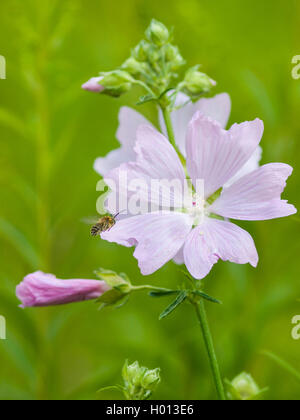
[[93, 85], [40, 289]]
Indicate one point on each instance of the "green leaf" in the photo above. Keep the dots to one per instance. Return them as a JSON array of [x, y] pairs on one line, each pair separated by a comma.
[[174, 305], [206, 297]]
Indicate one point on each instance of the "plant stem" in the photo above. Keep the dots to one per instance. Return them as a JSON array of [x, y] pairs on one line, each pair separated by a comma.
[[202, 317], [168, 122], [152, 288], [170, 131]]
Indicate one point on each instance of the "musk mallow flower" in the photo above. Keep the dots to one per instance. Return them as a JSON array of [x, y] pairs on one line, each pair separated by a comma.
[[200, 235], [39, 289], [218, 108]]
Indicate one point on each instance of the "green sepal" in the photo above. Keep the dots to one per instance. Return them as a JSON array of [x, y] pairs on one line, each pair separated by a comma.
[[120, 282], [111, 297], [145, 99], [174, 305], [214, 196]]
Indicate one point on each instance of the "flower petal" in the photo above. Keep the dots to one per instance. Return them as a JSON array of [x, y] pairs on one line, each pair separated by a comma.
[[179, 257], [214, 240], [250, 166], [256, 196], [156, 160], [215, 155], [158, 237], [129, 121], [218, 108]]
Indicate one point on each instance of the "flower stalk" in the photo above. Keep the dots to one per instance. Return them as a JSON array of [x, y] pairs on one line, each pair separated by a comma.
[[202, 318]]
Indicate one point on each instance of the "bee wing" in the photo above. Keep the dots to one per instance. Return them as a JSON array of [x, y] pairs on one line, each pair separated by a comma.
[[90, 220]]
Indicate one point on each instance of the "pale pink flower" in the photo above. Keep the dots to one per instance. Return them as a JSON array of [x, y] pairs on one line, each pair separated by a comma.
[[40, 289], [93, 85], [218, 108], [199, 236]]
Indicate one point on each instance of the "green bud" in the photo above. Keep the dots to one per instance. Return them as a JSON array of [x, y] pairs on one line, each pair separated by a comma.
[[173, 57], [139, 381], [131, 373], [157, 33], [140, 52], [196, 83], [151, 379], [116, 82], [133, 66], [243, 388]]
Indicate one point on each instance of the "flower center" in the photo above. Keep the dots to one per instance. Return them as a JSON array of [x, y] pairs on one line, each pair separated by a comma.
[[197, 209]]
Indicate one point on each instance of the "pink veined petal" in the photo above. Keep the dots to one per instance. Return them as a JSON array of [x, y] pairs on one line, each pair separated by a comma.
[[214, 240], [256, 196], [218, 108], [40, 289], [215, 155], [129, 121], [157, 236], [250, 166], [156, 160]]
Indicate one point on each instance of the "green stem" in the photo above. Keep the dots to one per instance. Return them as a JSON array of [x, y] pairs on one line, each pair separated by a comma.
[[170, 131], [168, 122], [152, 288], [202, 317]]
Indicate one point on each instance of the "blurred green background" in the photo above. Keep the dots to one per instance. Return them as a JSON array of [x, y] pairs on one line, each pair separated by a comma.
[[51, 132]]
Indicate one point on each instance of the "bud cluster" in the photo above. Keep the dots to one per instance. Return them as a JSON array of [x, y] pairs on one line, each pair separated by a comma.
[[139, 381], [154, 64]]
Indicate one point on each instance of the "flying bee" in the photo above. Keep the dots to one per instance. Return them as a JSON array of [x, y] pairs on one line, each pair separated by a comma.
[[104, 224]]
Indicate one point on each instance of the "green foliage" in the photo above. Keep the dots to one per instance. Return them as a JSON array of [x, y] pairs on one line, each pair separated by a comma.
[[51, 132]]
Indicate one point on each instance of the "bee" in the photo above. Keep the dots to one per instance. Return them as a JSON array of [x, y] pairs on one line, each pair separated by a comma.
[[104, 224]]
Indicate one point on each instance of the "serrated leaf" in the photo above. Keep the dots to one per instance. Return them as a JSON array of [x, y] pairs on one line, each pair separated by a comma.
[[206, 297], [174, 305]]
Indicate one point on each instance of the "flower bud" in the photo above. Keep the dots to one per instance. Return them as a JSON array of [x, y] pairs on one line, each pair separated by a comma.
[[197, 83], [139, 381], [116, 82], [40, 289], [157, 33], [140, 52], [174, 57], [243, 388], [93, 85], [151, 379], [133, 67]]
